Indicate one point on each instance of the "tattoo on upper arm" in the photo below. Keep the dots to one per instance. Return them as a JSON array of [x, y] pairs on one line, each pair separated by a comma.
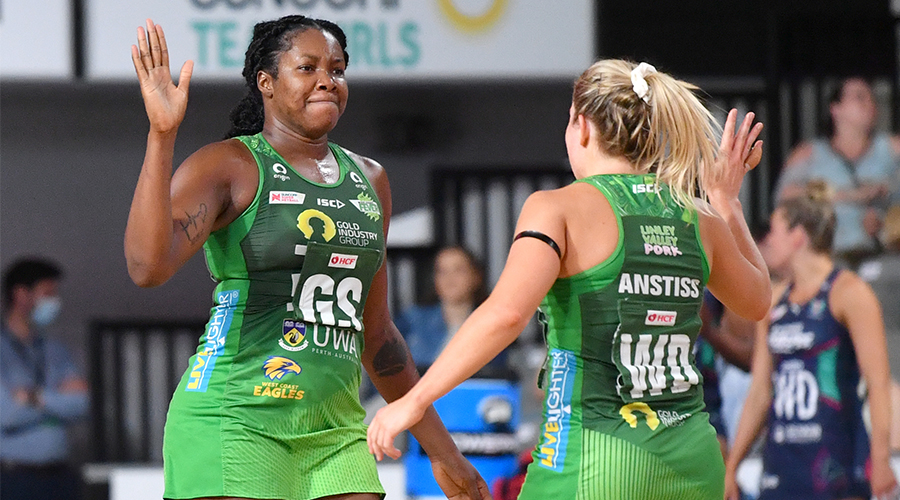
[[192, 223], [390, 359]]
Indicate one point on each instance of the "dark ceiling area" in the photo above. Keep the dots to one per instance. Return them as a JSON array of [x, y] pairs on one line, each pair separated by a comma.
[[773, 38]]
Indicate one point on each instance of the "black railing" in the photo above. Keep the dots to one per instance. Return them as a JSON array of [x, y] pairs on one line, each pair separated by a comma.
[[409, 276], [478, 207], [134, 368]]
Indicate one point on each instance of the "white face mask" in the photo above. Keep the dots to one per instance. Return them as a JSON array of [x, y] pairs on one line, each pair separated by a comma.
[[46, 310]]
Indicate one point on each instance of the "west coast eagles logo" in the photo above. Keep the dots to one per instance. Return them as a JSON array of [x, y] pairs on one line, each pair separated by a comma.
[[293, 335], [277, 367]]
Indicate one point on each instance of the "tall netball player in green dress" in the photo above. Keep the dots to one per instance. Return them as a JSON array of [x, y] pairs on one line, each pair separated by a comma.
[[293, 228], [617, 262]]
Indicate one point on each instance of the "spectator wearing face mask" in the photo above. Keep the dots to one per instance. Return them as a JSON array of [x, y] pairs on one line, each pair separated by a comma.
[[40, 388]]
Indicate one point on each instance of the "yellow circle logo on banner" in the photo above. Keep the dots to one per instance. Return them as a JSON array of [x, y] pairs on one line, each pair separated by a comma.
[[473, 23]]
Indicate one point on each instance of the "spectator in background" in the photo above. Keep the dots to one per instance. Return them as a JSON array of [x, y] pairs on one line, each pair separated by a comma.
[[858, 163], [459, 288], [41, 388]]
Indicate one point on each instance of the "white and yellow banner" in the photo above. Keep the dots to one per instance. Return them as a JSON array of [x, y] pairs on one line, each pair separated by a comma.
[[387, 39]]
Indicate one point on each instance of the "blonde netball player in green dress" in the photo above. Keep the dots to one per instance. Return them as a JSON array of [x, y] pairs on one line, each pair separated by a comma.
[[293, 228], [617, 262]]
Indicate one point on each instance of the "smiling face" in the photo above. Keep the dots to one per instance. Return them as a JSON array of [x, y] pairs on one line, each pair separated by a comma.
[[309, 93]]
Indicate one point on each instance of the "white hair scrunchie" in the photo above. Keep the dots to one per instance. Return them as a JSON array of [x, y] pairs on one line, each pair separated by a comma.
[[638, 81]]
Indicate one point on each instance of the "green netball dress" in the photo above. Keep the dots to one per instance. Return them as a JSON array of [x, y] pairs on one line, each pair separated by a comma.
[[623, 414], [269, 404]]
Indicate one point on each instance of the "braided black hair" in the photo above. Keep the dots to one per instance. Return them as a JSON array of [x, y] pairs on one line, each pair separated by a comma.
[[270, 40]]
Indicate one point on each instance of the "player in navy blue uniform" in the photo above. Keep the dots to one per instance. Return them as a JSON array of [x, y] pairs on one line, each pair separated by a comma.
[[824, 334]]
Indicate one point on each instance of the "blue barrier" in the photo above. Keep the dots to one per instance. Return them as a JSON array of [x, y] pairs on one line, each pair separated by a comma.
[[482, 416]]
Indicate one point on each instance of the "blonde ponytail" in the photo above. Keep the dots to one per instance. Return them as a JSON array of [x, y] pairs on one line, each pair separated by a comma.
[[667, 130]]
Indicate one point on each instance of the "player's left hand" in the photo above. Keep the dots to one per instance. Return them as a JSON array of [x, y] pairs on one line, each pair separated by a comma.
[[388, 423], [458, 479]]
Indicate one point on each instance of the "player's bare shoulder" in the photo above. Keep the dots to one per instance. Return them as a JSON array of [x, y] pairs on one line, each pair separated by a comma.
[[559, 205], [373, 170], [221, 159], [227, 170], [849, 286]]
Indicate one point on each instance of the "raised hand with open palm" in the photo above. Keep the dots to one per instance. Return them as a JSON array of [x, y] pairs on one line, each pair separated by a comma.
[[164, 101]]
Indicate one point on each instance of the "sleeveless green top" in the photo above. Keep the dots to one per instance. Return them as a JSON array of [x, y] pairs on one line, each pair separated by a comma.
[[295, 266], [621, 334], [311, 249], [269, 405]]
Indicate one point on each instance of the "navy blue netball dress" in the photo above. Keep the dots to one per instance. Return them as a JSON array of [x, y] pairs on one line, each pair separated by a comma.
[[817, 445]]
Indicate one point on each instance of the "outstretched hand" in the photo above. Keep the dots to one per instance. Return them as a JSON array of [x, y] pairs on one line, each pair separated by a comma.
[[164, 101], [738, 154], [454, 474], [388, 423]]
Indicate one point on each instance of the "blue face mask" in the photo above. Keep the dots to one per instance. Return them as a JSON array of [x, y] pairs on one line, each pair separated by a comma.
[[45, 311]]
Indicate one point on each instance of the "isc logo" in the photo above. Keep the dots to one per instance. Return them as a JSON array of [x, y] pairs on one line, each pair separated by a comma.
[[660, 318], [325, 202], [643, 188], [343, 261]]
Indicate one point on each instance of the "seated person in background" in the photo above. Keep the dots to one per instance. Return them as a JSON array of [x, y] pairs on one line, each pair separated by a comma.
[[40, 388], [858, 163], [459, 288]]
